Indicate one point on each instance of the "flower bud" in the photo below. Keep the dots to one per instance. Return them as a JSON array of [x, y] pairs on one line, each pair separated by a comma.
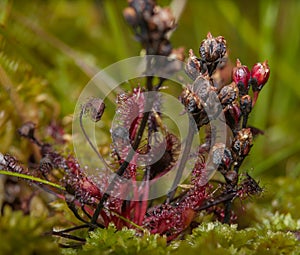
[[233, 115], [241, 76], [260, 72]]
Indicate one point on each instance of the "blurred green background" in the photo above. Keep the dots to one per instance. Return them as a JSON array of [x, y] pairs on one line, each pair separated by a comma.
[[50, 49]]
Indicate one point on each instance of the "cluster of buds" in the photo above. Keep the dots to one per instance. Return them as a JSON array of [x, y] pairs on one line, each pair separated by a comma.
[[212, 53], [234, 102], [152, 25], [257, 78]]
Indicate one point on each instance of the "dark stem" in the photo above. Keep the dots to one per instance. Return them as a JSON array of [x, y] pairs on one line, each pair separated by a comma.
[[123, 167], [231, 185], [76, 238], [221, 199], [245, 120], [75, 211], [161, 81], [85, 212], [227, 211], [71, 229], [185, 155], [36, 141]]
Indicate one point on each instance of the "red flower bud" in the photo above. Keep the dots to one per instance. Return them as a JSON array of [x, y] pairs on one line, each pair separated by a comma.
[[241, 74], [260, 72]]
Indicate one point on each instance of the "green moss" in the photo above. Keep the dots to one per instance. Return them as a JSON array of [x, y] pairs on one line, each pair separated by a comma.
[[217, 238], [21, 234], [271, 237], [111, 241]]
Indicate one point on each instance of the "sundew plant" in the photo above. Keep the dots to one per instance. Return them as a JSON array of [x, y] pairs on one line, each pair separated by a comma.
[[154, 157]]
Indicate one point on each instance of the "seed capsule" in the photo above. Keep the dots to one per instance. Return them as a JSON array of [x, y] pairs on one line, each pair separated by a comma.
[[260, 72], [221, 156], [242, 142], [131, 16], [46, 165], [212, 48], [233, 115], [94, 108], [241, 76], [27, 130], [246, 104], [228, 94], [193, 66]]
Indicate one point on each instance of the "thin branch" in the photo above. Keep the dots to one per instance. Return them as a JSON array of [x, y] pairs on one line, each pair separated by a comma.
[[76, 238], [89, 141], [184, 158], [221, 199], [71, 229], [138, 138]]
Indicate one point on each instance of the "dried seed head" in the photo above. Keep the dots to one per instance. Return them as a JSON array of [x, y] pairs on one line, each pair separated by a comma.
[[131, 16], [242, 142], [221, 156], [212, 48], [162, 20], [144, 7], [241, 76], [193, 66], [246, 104], [46, 165], [27, 130], [94, 108], [228, 94], [260, 72]]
